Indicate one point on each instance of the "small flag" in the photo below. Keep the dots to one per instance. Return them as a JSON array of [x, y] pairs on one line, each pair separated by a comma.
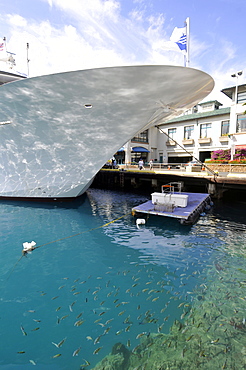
[[178, 41], [179, 36]]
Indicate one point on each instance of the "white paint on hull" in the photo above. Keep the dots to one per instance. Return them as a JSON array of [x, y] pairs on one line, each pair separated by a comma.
[[54, 145]]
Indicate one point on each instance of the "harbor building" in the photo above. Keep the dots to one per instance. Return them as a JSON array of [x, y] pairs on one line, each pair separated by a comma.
[[206, 127]]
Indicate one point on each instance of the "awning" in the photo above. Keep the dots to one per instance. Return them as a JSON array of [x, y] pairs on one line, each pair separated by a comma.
[[139, 149]]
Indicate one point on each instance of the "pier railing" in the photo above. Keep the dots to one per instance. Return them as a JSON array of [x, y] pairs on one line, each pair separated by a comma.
[[220, 167]]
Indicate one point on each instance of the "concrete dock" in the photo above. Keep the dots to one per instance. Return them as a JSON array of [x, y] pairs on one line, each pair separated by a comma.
[[149, 181]]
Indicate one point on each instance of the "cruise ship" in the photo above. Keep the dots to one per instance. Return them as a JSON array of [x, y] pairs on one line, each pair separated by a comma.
[[58, 130]]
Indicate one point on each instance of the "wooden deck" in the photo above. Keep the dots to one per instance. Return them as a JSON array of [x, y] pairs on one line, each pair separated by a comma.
[[196, 205]]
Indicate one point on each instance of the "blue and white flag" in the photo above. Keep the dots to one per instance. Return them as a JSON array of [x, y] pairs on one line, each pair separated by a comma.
[[178, 40], [179, 36]]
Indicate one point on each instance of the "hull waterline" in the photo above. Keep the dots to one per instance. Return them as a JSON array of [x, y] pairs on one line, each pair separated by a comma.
[[57, 131]]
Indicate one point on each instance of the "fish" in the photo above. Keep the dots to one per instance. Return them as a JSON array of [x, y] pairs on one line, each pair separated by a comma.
[[215, 341], [32, 362], [89, 337], [189, 338], [79, 315], [79, 322], [108, 321], [97, 350], [97, 340], [106, 331], [35, 329], [64, 317], [121, 313], [21, 352], [155, 299], [76, 293], [135, 348], [118, 332], [58, 355], [128, 343], [36, 320], [87, 363], [23, 330], [76, 352], [141, 334], [60, 287], [58, 308], [54, 297], [61, 342]]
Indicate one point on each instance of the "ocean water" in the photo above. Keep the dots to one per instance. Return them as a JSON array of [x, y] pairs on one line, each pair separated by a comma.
[[99, 292]]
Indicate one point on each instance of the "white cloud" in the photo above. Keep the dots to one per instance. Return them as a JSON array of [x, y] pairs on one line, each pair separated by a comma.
[[16, 20], [95, 34]]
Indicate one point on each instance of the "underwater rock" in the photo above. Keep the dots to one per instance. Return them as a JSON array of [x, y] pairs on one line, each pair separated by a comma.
[[120, 348], [117, 360], [111, 362]]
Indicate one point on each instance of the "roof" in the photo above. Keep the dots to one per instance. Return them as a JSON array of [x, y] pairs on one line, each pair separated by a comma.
[[188, 117], [229, 90], [216, 102]]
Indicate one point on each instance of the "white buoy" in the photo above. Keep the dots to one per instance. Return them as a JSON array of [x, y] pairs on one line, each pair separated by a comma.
[[28, 247], [140, 221]]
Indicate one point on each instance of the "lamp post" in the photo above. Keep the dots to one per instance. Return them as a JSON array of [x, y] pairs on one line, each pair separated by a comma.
[[235, 75]]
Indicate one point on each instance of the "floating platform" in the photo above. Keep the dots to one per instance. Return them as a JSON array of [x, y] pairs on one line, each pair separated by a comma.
[[197, 203]]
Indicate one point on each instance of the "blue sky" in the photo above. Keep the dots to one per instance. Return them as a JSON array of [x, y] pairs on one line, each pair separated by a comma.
[[76, 34]]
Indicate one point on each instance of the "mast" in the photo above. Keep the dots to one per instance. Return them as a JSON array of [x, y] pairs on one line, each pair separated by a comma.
[[187, 56], [27, 58]]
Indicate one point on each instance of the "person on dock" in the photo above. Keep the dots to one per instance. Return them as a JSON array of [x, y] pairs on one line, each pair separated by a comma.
[[141, 164], [151, 164]]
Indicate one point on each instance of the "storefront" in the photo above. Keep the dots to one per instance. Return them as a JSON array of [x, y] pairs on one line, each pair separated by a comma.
[[139, 152]]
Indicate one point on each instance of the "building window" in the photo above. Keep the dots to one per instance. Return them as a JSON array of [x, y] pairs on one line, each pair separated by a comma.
[[172, 133], [188, 132], [205, 130], [241, 97], [142, 137], [225, 126], [241, 123]]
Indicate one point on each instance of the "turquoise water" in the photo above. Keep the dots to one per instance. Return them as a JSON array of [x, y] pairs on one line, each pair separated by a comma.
[[93, 283]]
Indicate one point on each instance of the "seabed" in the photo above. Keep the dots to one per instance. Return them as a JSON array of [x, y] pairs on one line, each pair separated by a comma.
[[210, 334]]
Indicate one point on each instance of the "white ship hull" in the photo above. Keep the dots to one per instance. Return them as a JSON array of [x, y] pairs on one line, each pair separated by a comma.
[[57, 131]]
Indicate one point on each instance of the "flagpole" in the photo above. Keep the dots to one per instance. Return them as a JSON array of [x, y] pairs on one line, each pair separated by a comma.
[[187, 56]]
